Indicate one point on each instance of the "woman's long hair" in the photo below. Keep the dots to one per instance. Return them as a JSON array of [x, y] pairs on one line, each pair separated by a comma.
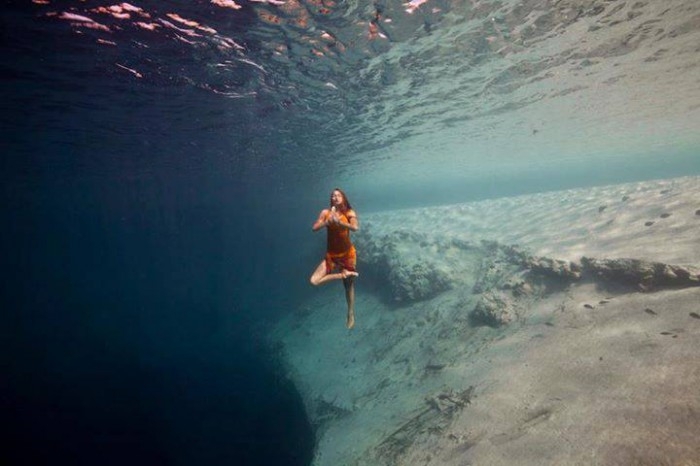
[[346, 204]]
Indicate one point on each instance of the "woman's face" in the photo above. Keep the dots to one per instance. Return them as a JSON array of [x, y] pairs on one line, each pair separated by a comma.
[[337, 198]]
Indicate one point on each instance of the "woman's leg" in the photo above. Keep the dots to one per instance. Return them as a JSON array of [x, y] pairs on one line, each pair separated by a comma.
[[320, 276], [349, 283]]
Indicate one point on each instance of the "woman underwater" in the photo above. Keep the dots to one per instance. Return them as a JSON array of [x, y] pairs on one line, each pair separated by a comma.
[[341, 256]]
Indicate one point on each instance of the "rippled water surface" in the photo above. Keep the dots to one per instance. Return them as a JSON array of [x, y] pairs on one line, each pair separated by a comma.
[[387, 89]]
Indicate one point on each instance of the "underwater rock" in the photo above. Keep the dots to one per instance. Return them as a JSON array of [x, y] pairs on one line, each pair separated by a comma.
[[646, 275], [450, 401], [416, 282], [435, 366], [493, 310], [490, 277], [440, 409], [399, 258], [418, 266], [512, 254], [554, 267], [518, 287], [501, 268], [325, 411]]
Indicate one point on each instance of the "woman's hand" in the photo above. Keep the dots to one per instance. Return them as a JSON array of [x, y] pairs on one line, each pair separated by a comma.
[[324, 219], [332, 218]]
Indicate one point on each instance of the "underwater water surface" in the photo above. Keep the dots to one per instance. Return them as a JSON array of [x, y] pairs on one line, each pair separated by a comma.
[[162, 163]]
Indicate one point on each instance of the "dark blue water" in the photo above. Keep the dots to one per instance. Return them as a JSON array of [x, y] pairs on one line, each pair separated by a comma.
[[127, 319], [144, 246], [128, 306]]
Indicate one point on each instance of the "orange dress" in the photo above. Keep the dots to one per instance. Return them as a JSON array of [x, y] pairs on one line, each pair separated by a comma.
[[340, 251]]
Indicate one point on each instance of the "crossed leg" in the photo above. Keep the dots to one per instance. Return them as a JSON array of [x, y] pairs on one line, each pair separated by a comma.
[[321, 276]]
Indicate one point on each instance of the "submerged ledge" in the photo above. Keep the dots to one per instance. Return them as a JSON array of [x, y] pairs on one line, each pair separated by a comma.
[[468, 350]]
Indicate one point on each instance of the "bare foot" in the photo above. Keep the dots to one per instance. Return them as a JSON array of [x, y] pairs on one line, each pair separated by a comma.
[[349, 273], [351, 320]]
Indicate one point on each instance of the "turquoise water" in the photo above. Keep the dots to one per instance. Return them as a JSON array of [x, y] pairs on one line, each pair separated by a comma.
[[163, 163]]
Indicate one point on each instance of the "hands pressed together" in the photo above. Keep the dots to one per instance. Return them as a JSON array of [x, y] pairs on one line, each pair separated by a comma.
[[333, 218]]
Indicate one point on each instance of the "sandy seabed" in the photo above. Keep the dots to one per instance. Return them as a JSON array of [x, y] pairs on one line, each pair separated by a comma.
[[495, 362]]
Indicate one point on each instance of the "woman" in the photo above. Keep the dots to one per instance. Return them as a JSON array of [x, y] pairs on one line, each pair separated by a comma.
[[341, 257]]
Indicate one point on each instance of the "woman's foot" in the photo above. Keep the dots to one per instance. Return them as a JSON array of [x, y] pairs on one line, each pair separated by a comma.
[[351, 320], [348, 273]]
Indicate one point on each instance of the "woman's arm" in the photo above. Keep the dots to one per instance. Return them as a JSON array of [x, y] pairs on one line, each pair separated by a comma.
[[322, 220], [353, 224]]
